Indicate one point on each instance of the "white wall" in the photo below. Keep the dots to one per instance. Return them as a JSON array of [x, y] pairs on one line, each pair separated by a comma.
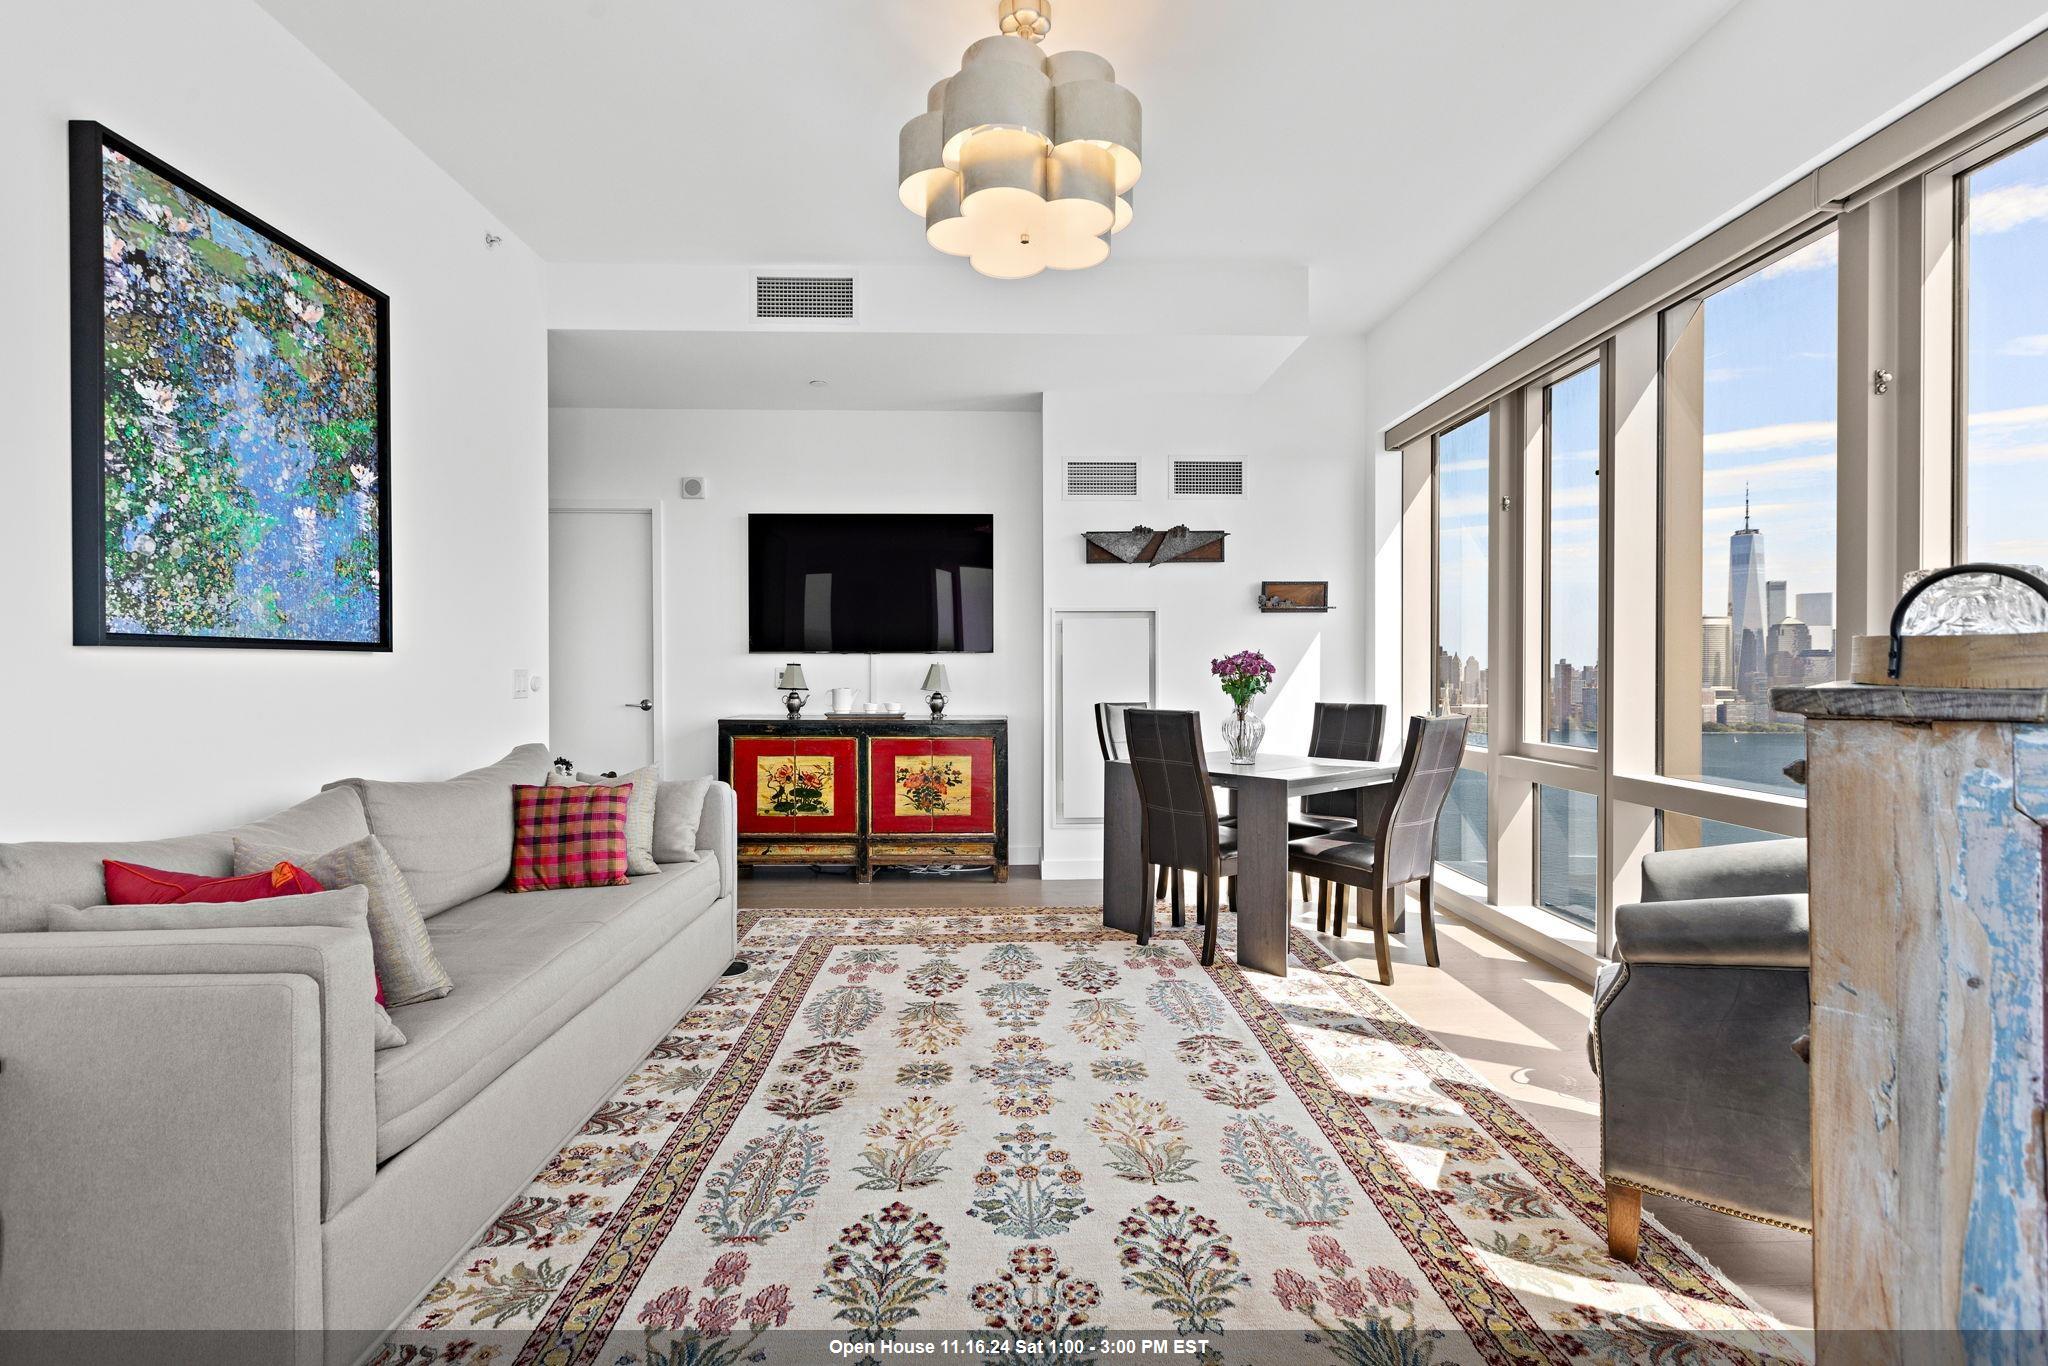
[[139, 742], [1306, 444], [1768, 93], [780, 461]]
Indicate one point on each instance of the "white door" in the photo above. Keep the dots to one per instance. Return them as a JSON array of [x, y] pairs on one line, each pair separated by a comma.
[[604, 706]]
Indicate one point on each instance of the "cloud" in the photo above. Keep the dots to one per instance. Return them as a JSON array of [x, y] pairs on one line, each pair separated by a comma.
[[2035, 345], [2008, 207], [1721, 374], [2009, 455], [2010, 417], [1780, 513], [1776, 436], [1818, 255], [1730, 475]]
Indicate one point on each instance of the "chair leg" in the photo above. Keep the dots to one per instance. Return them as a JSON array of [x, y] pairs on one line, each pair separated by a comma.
[[1159, 890], [1339, 908], [1211, 918], [1624, 1220], [1203, 897], [1305, 893], [1177, 890], [1429, 921], [1151, 906], [1230, 892], [1322, 906], [1381, 949]]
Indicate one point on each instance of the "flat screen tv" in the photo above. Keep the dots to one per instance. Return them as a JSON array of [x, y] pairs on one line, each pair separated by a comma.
[[870, 583]]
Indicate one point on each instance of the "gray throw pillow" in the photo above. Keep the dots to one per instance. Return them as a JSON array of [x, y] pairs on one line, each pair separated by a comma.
[[640, 808], [406, 963], [340, 910], [678, 811], [453, 839]]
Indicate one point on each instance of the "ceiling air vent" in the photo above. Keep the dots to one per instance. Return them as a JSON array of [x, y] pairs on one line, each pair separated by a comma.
[[803, 298], [1102, 479], [1208, 479]]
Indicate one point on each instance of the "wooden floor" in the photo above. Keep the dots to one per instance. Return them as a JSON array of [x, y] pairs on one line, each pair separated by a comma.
[[1518, 1024]]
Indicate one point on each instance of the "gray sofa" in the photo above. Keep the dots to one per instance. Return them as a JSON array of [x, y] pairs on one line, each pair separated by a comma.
[[194, 1130], [1697, 1036]]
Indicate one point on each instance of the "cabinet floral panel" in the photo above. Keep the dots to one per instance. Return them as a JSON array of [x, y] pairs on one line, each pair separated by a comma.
[[944, 786], [792, 786]]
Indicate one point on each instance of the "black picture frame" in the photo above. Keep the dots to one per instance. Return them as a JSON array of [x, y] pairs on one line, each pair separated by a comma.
[[88, 400]]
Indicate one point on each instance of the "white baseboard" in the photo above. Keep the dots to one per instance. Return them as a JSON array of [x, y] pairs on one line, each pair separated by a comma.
[[1088, 869]]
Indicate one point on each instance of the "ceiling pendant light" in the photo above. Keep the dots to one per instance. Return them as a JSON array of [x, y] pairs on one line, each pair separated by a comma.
[[1024, 160]]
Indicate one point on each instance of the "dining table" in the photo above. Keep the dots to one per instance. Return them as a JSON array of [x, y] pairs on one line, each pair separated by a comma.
[[1259, 796]]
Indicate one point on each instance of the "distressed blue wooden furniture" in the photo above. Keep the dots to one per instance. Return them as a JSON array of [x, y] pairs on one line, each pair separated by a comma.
[[1927, 821]]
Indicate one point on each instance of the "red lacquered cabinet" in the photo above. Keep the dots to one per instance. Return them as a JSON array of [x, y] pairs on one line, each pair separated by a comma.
[[865, 793]]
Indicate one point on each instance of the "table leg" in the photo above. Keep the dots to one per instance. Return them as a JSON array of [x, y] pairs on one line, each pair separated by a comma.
[[1262, 875], [1124, 888]]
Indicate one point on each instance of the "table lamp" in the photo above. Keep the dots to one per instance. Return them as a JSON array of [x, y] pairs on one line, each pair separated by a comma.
[[792, 679], [935, 686]]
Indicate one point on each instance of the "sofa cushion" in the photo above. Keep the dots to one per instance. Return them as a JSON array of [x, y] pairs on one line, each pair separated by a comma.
[[406, 965], [452, 839], [645, 782], [70, 873], [523, 965], [678, 810]]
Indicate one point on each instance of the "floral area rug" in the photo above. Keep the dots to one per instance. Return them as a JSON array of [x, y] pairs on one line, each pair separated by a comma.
[[1014, 1135]]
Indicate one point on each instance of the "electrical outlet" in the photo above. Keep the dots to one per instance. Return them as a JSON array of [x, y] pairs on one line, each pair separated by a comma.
[[519, 683]]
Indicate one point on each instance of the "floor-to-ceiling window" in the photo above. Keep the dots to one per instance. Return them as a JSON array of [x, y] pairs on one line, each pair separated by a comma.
[[1571, 564], [1702, 488], [2003, 359], [1464, 462], [1749, 487]]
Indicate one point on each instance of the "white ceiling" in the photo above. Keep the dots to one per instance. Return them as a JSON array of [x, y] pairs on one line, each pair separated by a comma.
[[1366, 139], [960, 371]]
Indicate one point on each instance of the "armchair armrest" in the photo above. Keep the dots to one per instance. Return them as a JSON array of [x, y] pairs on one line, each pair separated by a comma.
[[1745, 931], [1764, 868], [335, 962]]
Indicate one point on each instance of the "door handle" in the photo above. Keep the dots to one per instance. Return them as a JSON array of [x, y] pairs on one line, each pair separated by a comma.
[[644, 704]]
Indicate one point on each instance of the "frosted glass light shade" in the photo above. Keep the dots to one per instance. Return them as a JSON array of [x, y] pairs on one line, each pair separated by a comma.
[[920, 171]]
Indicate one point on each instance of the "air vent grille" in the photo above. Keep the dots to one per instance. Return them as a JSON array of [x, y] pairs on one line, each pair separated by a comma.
[[1208, 478], [1102, 479], [803, 298]]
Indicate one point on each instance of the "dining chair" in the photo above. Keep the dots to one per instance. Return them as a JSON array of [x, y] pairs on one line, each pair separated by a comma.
[[1178, 829], [1402, 846], [1341, 730]]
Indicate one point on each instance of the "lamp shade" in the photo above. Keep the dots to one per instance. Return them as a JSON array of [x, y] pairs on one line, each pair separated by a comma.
[[791, 679], [935, 679]]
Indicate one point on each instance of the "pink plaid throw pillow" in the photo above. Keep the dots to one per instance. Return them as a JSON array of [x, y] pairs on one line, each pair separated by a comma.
[[568, 837]]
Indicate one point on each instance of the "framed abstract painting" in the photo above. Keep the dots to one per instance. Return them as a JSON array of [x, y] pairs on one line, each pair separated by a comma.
[[230, 421]]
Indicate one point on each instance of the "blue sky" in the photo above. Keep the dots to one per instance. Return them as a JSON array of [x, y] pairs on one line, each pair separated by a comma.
[[2007, 358]]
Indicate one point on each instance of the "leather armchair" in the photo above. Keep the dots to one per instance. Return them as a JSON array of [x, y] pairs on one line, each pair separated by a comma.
[[1698, 1038]]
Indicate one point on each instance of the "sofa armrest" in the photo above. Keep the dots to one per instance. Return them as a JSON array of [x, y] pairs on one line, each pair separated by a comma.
[[160, 1152], [1760, 868], [1745, 931], [718, 832], [336, 962]]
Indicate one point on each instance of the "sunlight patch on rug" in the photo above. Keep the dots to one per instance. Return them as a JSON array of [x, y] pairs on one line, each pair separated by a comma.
[[1014, 1135]]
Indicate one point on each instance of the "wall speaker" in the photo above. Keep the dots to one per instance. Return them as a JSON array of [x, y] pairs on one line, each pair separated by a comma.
[[693, 486]]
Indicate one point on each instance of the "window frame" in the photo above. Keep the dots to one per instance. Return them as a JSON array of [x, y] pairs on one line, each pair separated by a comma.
[[1901, 490]]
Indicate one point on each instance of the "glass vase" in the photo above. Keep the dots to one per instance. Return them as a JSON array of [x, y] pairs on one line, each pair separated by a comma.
[[1242, 732]]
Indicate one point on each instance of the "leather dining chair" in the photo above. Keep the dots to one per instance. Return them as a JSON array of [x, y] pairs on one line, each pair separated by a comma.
[[1341, 730], [1402, 846], [1178, 829]]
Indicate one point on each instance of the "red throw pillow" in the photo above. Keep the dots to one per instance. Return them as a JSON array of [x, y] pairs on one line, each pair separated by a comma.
[[568, 837], [131, 884]]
